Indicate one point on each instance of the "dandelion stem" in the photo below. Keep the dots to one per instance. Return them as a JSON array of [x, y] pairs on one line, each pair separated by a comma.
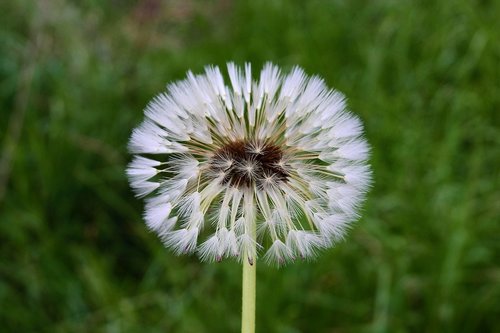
[[248, 299]]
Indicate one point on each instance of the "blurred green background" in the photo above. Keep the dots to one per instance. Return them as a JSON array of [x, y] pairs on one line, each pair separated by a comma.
[[423, 75]]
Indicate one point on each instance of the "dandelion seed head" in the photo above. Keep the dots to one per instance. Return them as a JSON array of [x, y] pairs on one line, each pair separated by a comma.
[[280, 154]]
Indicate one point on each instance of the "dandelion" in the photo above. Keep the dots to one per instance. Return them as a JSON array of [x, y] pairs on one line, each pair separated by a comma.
[[274, 167]]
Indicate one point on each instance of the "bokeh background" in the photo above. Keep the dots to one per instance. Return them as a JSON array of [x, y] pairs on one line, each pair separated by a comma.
[[424, 76]]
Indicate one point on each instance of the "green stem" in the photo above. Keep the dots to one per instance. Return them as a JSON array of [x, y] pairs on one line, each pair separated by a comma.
[[248, 296]]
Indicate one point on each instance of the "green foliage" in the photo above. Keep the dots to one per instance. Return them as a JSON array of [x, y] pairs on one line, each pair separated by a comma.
[[423, 76]]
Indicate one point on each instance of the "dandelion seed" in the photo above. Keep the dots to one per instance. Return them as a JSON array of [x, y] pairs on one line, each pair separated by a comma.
[[280, 155]]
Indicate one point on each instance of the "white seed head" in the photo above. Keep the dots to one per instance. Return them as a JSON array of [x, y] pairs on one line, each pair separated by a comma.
[[276, 165]]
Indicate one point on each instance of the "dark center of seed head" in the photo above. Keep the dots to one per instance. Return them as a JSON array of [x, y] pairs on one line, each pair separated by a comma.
[[244, 164]]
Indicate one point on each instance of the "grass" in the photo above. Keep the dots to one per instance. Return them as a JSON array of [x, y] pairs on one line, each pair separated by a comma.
[[75, 255]]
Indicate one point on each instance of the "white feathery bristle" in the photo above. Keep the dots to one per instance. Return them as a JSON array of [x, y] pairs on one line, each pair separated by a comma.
[[332, 227], [304, 244], [309, 100], [166, 226], [185, 167], [278, 253], [357, 175], [247, 90], [140, 161], [157, 111], [190, 204], [335, 106], [210, 250], [156, 214], [143, 188], [239, 226], [214, 76], [142, 169], [222, 244], [293, 84], [344, 197], [247, 248], [182, 240], [210, 191], [236, 78], [354, 150], [270, 79], [231, 244], [345, 126], [145, 141], [278, 222], [172, 189]]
